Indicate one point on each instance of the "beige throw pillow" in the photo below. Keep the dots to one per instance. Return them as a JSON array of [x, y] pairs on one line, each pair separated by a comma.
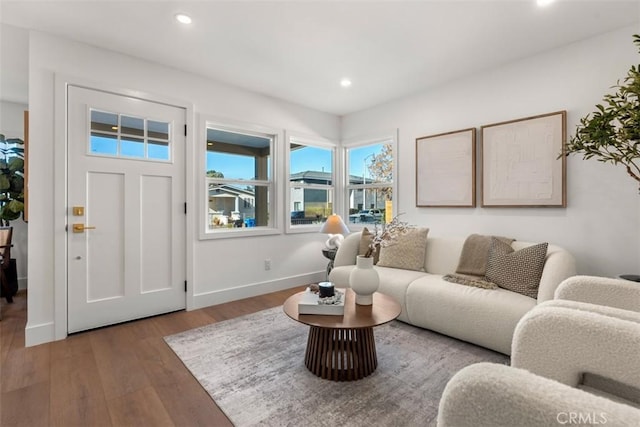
[[518, 271], [406, 251], [474, 255], [365, 240]]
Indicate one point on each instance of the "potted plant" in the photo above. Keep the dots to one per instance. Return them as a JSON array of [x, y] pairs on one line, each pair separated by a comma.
[[611, 134], [11, 197], [11, 179]]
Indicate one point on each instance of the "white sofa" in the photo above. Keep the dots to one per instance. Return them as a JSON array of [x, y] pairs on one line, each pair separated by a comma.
[[486, 317]]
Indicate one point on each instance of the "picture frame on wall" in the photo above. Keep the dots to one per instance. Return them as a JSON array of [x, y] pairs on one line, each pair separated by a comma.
[[523, 162], [446, 169]]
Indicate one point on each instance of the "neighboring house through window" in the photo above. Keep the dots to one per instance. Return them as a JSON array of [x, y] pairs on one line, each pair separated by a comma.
[[311, 182], [238, 176], [371, 179]]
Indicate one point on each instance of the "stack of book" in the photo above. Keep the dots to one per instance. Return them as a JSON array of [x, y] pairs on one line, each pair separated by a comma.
[[309, 304]]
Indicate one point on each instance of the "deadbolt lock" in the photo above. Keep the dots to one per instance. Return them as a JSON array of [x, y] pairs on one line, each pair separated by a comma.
[[78, 211]]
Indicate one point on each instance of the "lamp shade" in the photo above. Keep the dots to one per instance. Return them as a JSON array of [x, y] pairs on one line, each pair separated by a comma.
[[334, 225]]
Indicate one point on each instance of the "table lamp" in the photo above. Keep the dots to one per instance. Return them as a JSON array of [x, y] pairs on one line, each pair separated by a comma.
[[336, 229]]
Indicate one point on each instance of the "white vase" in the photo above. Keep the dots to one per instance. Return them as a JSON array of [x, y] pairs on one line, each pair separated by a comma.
[[364, 280]]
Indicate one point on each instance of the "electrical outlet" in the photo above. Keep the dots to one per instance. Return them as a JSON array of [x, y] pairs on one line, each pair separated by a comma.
[[267, 264]]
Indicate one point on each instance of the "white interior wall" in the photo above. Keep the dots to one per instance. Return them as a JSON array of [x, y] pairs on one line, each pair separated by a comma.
[[572, 78], [601, 225], [12, 126], [223, 269]]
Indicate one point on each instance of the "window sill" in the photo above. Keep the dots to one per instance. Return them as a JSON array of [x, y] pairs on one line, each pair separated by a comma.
[[235, 233]]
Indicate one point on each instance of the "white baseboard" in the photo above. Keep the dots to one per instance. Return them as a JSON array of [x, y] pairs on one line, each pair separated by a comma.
[[22, 283], [232, 294], [39, 334], [45, 332]]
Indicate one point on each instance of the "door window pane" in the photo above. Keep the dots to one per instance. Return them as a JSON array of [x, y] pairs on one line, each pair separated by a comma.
[[104, 144], [132, 147], [104, 122], [132, 126], [158, 150], [158, 130]]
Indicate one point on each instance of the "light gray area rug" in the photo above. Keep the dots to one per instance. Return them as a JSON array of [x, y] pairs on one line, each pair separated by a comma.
[[253, 367]]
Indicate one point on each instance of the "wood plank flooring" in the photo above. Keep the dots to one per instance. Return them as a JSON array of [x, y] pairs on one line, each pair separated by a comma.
[[122, 375]]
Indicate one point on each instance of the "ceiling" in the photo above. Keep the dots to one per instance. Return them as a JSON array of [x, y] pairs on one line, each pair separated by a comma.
[[299, 50]]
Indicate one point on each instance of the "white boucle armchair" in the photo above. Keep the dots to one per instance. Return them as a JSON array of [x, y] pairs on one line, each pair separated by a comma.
[[492, 395], [601, 290], [571, 363]]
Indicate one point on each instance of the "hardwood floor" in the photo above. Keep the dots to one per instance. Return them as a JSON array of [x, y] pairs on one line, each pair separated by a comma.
[[122, 375]]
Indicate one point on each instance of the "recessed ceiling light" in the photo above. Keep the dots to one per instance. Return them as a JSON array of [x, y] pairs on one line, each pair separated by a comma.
[[183, 19], [345, 82], [543, 3]]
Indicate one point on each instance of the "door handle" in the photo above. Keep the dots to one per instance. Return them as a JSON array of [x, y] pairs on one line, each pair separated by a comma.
[[79, 228]]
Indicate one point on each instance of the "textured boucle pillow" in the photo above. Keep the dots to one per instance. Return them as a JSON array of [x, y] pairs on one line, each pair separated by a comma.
[[365, 240], [518, 271], [406, 251]]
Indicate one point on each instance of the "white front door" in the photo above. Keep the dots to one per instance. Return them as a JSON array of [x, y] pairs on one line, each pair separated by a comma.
[[126, 208]]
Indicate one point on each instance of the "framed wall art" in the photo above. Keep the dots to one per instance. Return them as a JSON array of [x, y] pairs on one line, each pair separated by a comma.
[[522, 165], [445, 169]]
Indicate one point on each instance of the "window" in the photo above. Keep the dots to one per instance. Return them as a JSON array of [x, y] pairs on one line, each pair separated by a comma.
[[311, 183], [238, 180], [122, 136], [371, 181]]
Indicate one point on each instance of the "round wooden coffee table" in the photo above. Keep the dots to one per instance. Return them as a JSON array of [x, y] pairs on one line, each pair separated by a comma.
[[343, 348]]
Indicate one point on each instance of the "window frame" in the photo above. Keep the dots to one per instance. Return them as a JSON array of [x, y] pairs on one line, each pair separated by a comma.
[[276, 135], [390, 137], [311, 141]]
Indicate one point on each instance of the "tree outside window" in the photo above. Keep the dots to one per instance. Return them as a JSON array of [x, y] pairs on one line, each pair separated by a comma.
[[370, 181]]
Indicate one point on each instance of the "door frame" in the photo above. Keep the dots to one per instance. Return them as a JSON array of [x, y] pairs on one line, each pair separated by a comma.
[[61, 210]]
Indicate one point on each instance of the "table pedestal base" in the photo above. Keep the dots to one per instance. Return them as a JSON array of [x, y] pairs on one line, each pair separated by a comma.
[[341, 354]]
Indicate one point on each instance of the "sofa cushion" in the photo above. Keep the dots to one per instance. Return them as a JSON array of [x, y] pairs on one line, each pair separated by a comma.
[[485, 317], [517, 271], [407, 251]]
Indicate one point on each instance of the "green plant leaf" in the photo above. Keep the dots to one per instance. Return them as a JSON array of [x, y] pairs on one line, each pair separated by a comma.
[[16, 164], [17, 184], [4, 182], [9, 215]]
